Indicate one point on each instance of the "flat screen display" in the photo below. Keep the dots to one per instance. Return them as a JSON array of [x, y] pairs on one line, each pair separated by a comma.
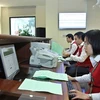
[[24, 25], [72, 20]]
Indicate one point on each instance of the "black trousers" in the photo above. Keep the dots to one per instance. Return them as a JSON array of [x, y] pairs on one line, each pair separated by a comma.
[[74, 70]]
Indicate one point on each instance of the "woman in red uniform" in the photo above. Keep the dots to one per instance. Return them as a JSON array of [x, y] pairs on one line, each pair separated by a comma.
[[92, 47]]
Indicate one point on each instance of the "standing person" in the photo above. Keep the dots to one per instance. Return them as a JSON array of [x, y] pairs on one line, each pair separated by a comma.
[[73, 46], [92, 47]]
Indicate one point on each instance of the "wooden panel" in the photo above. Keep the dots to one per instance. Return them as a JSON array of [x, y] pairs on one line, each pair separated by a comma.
[[9, 39], [23, 52]]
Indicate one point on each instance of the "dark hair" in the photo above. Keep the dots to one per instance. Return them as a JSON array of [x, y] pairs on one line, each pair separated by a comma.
[[80, 35], [93, 37], [70, 36]]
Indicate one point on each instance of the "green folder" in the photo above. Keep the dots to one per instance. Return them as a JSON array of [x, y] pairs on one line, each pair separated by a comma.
[[57, 48], [43, 74]]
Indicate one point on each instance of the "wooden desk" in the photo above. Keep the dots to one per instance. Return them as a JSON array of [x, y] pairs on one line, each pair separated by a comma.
[[22, 45], [12, 86]]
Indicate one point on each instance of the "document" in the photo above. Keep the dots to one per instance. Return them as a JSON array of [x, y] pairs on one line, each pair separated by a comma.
[[57, 48], [41, 86], [43, 74]]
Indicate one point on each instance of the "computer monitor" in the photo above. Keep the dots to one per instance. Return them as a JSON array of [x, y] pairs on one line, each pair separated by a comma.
[[9, 61]]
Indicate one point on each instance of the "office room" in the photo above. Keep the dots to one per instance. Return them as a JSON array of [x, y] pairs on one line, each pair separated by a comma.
[[46, 13], [45, 19]]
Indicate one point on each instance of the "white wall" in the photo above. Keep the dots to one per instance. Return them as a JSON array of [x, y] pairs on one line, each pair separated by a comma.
[[52, 17], [93, 17], [40, 16], [14, 12], [5, 21], [72, 5], [7, 12], [0, 20]]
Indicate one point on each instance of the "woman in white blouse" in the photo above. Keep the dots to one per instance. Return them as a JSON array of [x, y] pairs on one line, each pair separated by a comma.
[[92, 47]]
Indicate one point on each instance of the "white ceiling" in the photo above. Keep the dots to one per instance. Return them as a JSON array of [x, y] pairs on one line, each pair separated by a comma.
[[11, 3]]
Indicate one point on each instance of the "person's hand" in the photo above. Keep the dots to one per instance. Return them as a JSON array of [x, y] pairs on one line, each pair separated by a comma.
[[65, 54], [71, 78], [79, 95]]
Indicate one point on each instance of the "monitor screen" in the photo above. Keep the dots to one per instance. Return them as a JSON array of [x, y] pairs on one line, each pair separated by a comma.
[[23, 25], [9, 61], [72, 20]]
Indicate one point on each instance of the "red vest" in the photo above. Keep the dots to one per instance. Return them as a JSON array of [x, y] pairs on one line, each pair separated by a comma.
[[96, 79], [76, 49], [80, 50], [86, 63]]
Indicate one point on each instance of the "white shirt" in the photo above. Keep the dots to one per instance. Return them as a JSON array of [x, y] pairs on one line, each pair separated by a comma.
[[87, 77], [82, 57], [73, 48]]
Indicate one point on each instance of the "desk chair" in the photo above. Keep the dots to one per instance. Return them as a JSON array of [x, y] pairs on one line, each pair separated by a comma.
[[80, 70], [74, 70]]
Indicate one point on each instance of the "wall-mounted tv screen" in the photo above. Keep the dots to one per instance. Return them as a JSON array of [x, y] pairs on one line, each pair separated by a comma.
[[24, 25], [72, 20]]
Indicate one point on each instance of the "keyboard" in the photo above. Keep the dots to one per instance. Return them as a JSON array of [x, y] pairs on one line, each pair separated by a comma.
[[70, 87]]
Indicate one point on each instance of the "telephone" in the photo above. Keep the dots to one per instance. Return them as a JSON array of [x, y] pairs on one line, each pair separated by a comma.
[[43, 57]]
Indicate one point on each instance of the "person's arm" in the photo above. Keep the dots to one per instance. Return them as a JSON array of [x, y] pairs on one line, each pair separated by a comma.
[[95, 96], [66, 54], [84, 96], [70, 51], [79, 95], [84, 78], [80, 58], [73, 49]]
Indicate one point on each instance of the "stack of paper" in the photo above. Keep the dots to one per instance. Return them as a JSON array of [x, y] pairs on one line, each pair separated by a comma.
[[33, 85], [43, 74]]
